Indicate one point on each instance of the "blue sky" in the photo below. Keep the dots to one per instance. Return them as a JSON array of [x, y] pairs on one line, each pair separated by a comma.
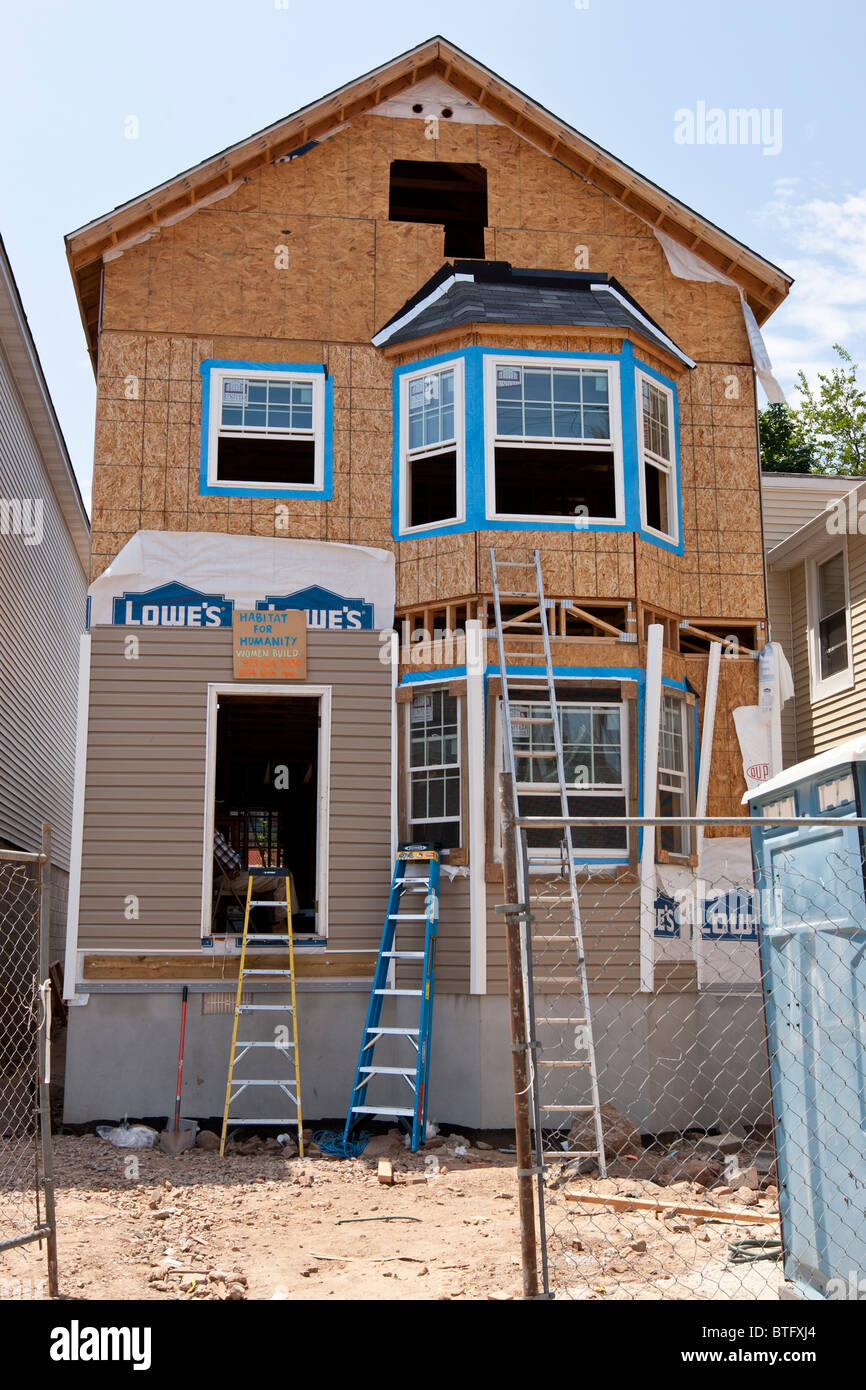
[[200, 76]]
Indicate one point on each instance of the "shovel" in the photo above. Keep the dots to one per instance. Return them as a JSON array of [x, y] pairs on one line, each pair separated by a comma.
[[175, 1140]]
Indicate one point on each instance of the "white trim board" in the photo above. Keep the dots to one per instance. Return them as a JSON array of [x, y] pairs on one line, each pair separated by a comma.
[[76, 839]]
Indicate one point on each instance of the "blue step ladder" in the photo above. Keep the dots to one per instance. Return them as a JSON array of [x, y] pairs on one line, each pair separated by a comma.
[[416, 872]]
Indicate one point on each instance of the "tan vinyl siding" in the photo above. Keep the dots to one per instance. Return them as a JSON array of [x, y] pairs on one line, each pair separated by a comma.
[[145, 788], [839, 717], [790, 500], [42, 598], [610, 915]]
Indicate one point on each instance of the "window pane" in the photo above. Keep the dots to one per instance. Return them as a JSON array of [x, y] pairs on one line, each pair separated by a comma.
[[545, 403], [539, 421], [833, 636], [509, 419], [596, 423], [656, 490], [832, 585], [595, 388], [656, 425], [232, 415]]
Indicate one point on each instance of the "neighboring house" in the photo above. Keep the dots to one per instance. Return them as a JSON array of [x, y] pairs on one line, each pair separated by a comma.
[[815, 537], [44, 558], [301, 407]]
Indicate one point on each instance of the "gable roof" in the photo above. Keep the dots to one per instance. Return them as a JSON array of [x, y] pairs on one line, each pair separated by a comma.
[[494, 292], [763, 283]]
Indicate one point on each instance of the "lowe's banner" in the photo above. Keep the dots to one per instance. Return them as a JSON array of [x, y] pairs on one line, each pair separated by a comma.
[[193, 580]]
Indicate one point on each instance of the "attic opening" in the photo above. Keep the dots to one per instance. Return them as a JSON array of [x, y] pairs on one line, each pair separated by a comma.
[[433, 192]]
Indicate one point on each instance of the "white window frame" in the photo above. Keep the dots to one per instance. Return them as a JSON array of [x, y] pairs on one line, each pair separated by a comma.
[[216, 430], [441, 820], [666, 776], [491, 441], [323, 694], [822, 687], [456, 365], [614, 856], [665, 466]]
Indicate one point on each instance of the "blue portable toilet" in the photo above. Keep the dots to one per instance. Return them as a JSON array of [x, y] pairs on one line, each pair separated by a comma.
[[811, 893]]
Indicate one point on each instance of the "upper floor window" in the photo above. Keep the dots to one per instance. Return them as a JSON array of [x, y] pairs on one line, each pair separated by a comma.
[[432, 447], [829, 625], [657, 457], [553, 440], [265, 429]]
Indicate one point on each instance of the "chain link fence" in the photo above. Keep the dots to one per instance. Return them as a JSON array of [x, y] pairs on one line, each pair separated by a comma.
[[26, 1178], [727, 1035]]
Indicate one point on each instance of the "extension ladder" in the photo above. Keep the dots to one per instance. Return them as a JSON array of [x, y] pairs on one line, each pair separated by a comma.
[[545, 1067], [288, 1088], [416, 871]]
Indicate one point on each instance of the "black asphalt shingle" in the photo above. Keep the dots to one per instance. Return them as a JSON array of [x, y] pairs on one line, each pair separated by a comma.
[[498, 293]]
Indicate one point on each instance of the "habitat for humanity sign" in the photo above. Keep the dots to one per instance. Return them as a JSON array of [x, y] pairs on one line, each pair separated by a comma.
[[269, 646], [176, 605]]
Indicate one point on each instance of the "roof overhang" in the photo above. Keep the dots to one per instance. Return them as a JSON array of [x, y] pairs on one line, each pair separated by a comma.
[[763, 283], [841, 507]]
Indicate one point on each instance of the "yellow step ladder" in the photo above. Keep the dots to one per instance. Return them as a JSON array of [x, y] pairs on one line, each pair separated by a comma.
[[288, 1088]]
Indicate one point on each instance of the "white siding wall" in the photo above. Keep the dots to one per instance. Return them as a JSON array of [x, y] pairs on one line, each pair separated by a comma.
[[42, 597]]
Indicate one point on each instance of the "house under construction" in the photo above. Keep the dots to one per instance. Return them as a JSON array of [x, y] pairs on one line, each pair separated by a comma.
[[337, 363]]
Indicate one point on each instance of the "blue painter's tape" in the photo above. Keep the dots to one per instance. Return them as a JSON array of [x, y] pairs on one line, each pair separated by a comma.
[[275, 492]]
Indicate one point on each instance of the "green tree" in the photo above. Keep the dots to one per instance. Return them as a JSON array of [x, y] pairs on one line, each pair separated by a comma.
[[833, 419], [784, 448]]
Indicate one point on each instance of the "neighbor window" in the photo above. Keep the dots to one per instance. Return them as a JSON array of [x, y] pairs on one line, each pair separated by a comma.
[[266, 429], [431, 435], [434, 768], [593, 744], [553, 436], [657, 457], [829, 625], [673, 775]]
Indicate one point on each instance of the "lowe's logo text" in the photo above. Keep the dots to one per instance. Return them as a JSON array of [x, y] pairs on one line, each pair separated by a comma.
[[173, 605]]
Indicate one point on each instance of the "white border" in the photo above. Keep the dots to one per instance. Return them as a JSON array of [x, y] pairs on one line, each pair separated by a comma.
[[425, 688], [76, 844], [491, 362], [823, 688], [667, 466], [246, 688], [475, 772], [595, 858], [215, 431], [458, 367]]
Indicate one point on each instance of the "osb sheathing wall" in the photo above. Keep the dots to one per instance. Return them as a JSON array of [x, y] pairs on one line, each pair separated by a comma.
[[210, 287]]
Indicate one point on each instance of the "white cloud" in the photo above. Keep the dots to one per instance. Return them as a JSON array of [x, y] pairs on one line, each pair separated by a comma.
[[822, 243]]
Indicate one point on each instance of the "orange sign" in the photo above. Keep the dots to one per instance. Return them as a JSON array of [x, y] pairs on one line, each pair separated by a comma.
[[269, 645]]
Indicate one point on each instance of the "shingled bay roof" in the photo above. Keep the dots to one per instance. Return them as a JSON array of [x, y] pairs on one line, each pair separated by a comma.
[[763, 283], [494, 292]]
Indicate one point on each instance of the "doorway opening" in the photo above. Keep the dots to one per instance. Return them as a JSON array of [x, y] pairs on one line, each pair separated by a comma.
[[266, 811]]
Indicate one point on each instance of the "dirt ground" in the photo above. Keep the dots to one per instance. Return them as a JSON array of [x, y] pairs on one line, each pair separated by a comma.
[[142, 1225]]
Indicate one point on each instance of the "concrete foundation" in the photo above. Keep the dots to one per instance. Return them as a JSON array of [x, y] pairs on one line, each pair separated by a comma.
[[669, 1061]]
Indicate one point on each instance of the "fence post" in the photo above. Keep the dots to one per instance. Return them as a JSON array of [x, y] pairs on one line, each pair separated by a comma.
[[519, 1043], [44, 986]]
